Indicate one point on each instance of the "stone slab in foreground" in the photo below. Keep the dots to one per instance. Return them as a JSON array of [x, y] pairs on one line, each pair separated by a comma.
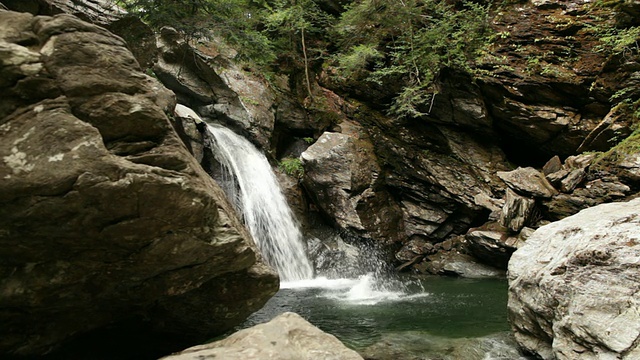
[[286, 337]]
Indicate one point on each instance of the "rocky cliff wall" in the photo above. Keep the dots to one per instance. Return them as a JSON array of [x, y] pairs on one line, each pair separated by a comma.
[[550, 83]]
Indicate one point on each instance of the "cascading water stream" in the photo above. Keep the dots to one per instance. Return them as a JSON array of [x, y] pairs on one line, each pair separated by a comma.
[[250, 184], [253, 188]]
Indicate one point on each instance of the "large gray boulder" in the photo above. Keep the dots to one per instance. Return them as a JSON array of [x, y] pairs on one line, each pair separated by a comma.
[[105, 217], [342, 174], [573, 286], [286, 337]]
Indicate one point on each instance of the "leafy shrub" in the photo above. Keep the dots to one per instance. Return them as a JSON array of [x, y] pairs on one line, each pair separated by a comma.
[[237, 21], [412, 40], [292, 167]]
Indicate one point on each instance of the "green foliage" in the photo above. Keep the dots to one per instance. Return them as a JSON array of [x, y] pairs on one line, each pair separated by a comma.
[[628, 146], [621, 94], [308, 140], [286, 20], [295, 15], [358, 58], [382, 41], [418, 38], [615, 40], [410, 99], [618, 41], [152, 74], [292, 167], [237, 21], [293, 21]]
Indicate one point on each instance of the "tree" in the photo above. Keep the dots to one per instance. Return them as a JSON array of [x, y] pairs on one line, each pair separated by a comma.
[[410, 39], [295, 19], [237, 21]]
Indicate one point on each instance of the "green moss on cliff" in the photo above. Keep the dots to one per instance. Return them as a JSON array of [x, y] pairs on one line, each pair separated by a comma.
[[628, 146]]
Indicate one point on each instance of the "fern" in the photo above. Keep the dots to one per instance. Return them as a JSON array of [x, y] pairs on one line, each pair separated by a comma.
[[292, 167]]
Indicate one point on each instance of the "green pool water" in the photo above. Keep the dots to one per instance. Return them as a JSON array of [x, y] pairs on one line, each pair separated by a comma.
[[425, 319]]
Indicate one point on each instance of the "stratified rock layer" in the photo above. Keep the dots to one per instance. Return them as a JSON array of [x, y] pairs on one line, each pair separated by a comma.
[[286, 337], [573, 286], [104, 215]]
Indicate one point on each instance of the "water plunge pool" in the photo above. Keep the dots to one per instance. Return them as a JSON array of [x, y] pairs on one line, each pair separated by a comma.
[[430, 318]]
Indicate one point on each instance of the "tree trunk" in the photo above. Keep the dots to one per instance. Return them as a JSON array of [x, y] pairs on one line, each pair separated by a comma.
[[306, 66]]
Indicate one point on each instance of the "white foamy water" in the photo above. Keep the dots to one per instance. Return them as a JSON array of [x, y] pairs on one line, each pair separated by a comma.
[[253, 188], [320, 282], [364, 290]]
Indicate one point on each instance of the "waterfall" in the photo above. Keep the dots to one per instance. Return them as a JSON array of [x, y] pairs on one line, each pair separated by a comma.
[[252, 187], [250, 184]]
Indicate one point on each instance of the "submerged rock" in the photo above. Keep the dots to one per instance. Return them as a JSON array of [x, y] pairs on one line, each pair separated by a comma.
[[573, 286], [416, 345], [105, 218], [286, 337]]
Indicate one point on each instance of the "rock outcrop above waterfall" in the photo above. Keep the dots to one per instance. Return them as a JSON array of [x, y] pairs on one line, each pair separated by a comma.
[[105, 218], [141, 40], [287, 336], [99, 12], [573, 286], [219, 89]]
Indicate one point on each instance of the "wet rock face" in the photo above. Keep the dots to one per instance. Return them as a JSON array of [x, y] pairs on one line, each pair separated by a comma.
[[546, 85], [581, 185], [104, 215], [438, 175], [573, 286], [550, 86]]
